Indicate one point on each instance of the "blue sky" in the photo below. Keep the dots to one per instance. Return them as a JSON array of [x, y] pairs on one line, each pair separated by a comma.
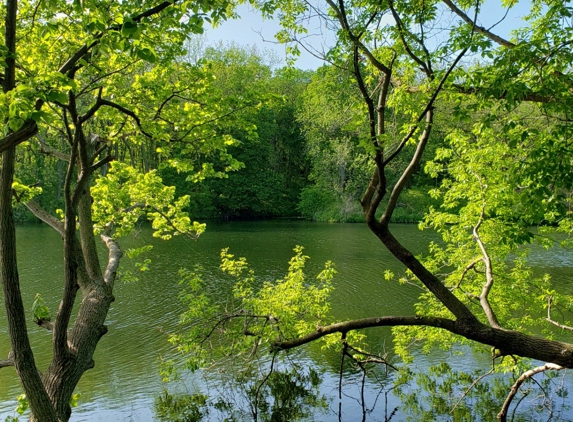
[[250, 29]]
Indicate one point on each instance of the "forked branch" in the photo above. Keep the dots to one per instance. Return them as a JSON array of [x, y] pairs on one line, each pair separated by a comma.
[[502, 415], [551, 320]]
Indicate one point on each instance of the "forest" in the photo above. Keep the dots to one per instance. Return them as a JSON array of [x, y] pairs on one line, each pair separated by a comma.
[[116, 115], [277, 124]]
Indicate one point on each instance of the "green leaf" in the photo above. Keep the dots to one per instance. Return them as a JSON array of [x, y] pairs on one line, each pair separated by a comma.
[[147, 54], [129, 28], [40, 310], [57, 96]]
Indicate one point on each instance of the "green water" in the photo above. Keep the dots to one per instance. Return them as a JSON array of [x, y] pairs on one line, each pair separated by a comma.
[[125, 380]]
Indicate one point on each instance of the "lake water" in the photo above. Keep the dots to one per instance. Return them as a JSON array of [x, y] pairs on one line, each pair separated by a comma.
[[125, 381]]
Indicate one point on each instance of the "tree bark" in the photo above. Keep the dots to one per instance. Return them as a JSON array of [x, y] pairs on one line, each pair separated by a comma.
[[22, 352]]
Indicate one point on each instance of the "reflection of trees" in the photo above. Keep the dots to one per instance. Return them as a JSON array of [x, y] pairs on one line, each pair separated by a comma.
[[443, 393], [269, 391]]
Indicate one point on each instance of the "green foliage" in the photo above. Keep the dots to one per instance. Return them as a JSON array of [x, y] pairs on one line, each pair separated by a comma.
[[181, 408], [294, 306], [75, 399], [24, 193], [40, 310], [497, 180], [331, 117], [23, 404], [239, 333], [257, 315], [270, 143], [124, 195], [314, 203]]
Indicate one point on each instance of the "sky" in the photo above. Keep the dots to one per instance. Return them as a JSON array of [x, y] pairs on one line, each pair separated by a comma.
[[251, 29]]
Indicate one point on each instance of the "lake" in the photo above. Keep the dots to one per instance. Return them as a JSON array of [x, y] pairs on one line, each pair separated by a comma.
[[125, 381]]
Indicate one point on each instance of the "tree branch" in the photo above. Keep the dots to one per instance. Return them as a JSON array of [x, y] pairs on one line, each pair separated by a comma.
[[399, 187], [9, 361], [45, 216], [483, 298], [127, 112], [465, 271], [114, 256], [105, 160], [502, 415], [45, 323], [550, 320], [508, 342], [426, 67], [341, 15], [480, 29], [23, 356], [28, 129], [48, 150], [89, 114], [534, 97], [358, 324]]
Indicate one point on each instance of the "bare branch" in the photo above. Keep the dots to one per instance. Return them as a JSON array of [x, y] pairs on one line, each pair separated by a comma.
[[465, 271], [370, 358], [508, 342], [479, 29], [502, 415], [550, 320], [263, 382], [105, 160], [483, 298], [9, 361], [344, 327], [127, 112], [114, 256], [45, 216], [48, 150], [476, 381], [45, 323]]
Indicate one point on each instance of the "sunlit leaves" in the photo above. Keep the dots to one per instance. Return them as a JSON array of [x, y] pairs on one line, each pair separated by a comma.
[[40, 310], [124, 196], [23, 193], [256, 316]]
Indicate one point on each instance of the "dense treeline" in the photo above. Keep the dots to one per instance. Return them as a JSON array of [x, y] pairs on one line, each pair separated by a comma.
[[298, 141], [300, 145], [272, 152]]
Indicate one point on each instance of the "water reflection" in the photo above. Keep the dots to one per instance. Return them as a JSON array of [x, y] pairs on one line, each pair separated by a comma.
[[125, 382]]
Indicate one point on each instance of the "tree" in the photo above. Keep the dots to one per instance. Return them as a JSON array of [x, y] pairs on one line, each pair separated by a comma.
[[271, 149], [505, 166], [91, 78], [332, 121]]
